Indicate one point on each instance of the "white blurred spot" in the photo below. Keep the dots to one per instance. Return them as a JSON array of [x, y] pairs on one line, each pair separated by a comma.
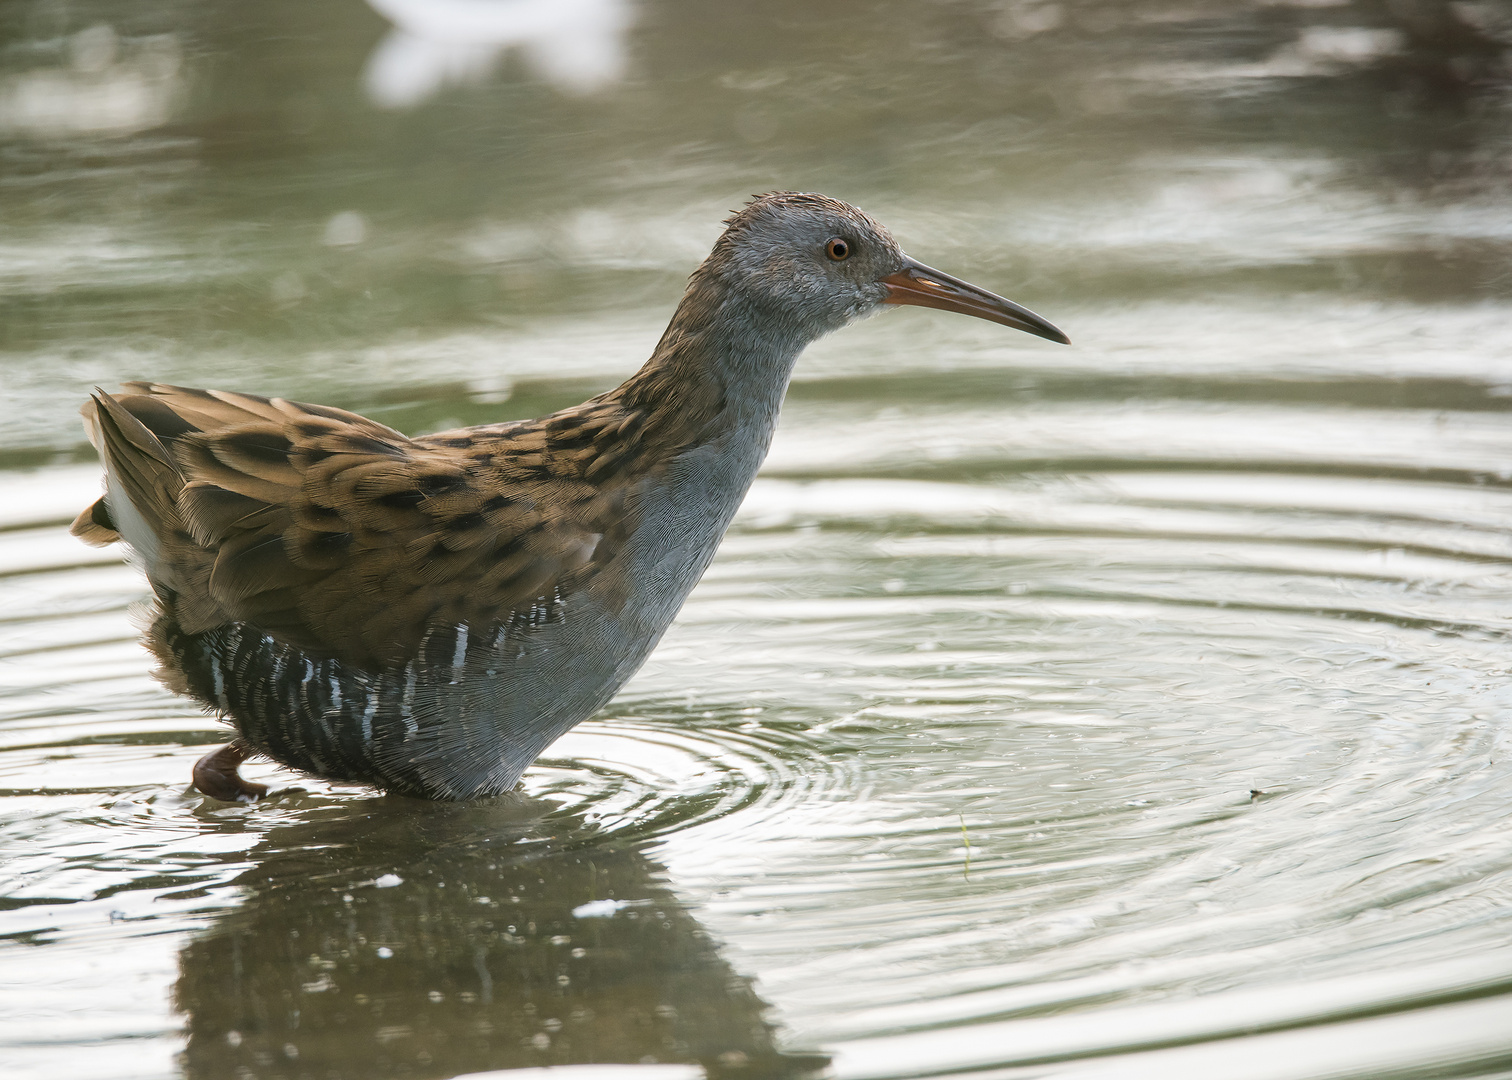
[[388, 881], [1027, 18], [107, 87], [1317, 51], [346, 229], [1348, 44], [576, 45], [602, 909]]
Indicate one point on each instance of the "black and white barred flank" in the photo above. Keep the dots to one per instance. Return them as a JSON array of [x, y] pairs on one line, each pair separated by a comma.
[[429, 727]]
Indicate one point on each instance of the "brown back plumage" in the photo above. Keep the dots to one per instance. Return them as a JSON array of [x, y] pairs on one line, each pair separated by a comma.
[[345, 538]]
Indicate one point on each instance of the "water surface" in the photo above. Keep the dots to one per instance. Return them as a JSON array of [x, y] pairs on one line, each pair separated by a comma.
[[1134, 709]]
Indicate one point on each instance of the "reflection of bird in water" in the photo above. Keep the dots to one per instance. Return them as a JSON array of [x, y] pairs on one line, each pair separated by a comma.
[[372, 940], [429, 614], [576, 45]]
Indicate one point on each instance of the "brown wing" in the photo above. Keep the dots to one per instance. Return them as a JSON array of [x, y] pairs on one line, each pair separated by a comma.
[[340, 535]]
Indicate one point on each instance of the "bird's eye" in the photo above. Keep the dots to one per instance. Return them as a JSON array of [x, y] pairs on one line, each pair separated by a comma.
[[837, 249]]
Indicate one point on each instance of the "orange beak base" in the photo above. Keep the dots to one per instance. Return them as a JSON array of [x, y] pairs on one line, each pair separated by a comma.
[[923, 286]]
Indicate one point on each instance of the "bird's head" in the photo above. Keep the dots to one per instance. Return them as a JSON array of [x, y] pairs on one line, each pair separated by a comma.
[[820, 263]]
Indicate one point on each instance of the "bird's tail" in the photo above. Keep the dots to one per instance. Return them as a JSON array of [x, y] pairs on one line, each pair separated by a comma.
[[142, 483]]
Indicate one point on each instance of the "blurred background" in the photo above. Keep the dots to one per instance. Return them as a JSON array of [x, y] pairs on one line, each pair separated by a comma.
[[1134, 708]]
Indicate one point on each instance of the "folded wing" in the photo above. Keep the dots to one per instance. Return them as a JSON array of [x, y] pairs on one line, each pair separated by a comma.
[[337, 534]]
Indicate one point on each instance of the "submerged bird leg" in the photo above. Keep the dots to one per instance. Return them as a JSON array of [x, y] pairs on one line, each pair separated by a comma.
[[215, 774]]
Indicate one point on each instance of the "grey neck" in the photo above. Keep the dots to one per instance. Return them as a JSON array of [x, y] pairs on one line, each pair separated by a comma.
[[752, 358], [739, 361], [712, 392], [721, 370]]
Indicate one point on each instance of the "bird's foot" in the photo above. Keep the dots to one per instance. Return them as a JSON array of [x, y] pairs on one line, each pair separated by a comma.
[[215, 774]]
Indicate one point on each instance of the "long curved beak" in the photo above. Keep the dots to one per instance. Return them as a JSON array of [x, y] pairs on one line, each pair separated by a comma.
[[924, 286]]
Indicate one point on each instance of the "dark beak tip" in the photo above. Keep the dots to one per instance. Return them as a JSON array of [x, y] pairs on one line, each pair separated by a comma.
[[924, 286]]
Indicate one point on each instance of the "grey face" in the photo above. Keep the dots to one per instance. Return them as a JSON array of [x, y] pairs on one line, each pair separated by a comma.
[[809, 263]]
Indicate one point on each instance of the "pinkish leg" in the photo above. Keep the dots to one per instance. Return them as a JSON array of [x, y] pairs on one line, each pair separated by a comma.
[[215, 774]]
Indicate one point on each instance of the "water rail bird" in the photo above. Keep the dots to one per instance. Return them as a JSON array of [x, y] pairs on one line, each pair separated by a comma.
[[428, 614]]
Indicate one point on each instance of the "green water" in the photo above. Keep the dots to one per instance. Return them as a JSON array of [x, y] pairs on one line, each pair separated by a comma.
[[1139, 708]]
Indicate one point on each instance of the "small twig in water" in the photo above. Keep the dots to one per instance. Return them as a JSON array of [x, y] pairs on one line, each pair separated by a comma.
[[965, 870]]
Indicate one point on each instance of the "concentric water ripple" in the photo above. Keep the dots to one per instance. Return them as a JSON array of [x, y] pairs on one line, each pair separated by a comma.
[[642, 779], [938, 760], [1249, 725]]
